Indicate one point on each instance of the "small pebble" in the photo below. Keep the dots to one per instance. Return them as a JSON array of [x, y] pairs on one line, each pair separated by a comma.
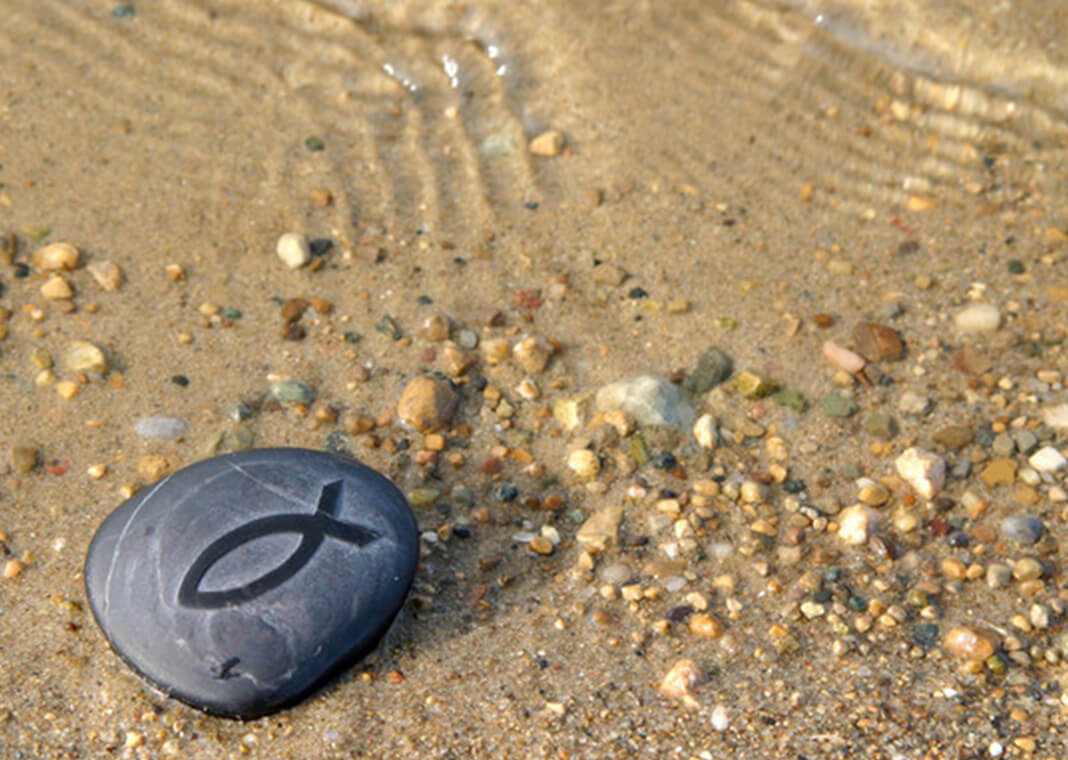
[[969, 643], [913, 404], [601, 529], [706, 625], [56, 288], [651, 400], [532, 354], [23, 458], [978, 317], [999, 472], [713, 368], [877, 342], [1047, 459], [584, 463], [548, 144], [541, 545], [293, 392], [107, 274], [161, 428], [856, 524], [720, 718], [56, 256], [838, 406], [880, 425], [752, 386], [1023, 529], [1056, 416], [427, 403], [923, 470], [294, 250], [704, 431], [83, 356], [681, 680], [842, 357]]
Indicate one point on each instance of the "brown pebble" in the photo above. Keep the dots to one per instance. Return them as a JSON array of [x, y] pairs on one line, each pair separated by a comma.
[[1000, 471], [680, 681], [23, 458], [435, 328], [706, 625], [548, 144], [293, 309], [969, 643], [454, 361], [971, 361], [427, 403], [877, 342], [320, 196], [56, 256], [13, 568], [152, 467], [532, 354], [822, 321], [541, 545]]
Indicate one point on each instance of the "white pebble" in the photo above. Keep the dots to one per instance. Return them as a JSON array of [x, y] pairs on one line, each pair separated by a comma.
[[704, 430], [856, 523], [160, 428], [923, 470], [842, 357], [1047, 459], [978, 317], [293, 249], [720, 720], [1056, 416]]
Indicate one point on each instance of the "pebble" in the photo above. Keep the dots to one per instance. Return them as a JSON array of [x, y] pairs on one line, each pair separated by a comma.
[[704, 431], [293, 392], [23, 458], [495, 350], [969, 643], [107, 274], [720, 718], [436, 328], [925, 471], [601, 529], [705, 625], [971, 361], [713, 368], [651, 400], [56, 288], [681, 680], [877, 342], [752, 386], [1047, 459], [153, 467], [913, 404], [83, 356], [1023, 529], [880, 425], [856, 524], [978, 317], [1056, 416], [541, 545], [294, 250], [607, 273], [185, 579], [161, 428], [584, 463], [56, 256], [998, 472], [842, 357], [427, 403], [548, 144], [532, 354], [838, 406], [998, 575], [953, 437]]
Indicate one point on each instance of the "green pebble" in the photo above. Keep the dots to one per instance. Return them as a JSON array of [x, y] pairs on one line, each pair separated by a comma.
[[423, 496], [838, 406], [388, 326], [230, 313], [314, 144], [243, 437], [465, 497], [753, 386], [997, 664], [293, 392], [1016, 266], [880, 425], [639, 452], [791, 399]]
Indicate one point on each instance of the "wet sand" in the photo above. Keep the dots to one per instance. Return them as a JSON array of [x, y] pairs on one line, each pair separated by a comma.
[[758, 179]]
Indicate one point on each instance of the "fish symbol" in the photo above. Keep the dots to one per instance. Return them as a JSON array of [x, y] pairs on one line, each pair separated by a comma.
[[313, 529]]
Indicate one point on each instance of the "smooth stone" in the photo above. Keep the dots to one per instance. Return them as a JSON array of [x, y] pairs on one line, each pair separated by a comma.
[[713, 368], [878, 343], [241, 583], [838, 406], [162, 428], [978, 317], [1047, 459], [651, 400], [1023, 529], [293, 392], [294, 250]]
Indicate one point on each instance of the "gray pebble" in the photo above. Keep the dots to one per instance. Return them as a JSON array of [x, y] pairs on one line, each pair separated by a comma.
[[293, 392], [1003, 445], [1026, 441], [1024, 529], [160, 428], [467, 339]]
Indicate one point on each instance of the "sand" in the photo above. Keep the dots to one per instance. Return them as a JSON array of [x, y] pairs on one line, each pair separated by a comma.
[[759, 178]]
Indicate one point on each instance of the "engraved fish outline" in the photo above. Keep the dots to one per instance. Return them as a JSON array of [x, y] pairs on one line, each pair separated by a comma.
[[313, 529]]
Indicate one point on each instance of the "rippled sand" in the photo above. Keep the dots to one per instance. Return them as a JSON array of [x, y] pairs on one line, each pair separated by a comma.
[[758, 163]]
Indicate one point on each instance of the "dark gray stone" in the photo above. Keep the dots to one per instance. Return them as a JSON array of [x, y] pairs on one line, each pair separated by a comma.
[[713, 368], [240, 583]]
